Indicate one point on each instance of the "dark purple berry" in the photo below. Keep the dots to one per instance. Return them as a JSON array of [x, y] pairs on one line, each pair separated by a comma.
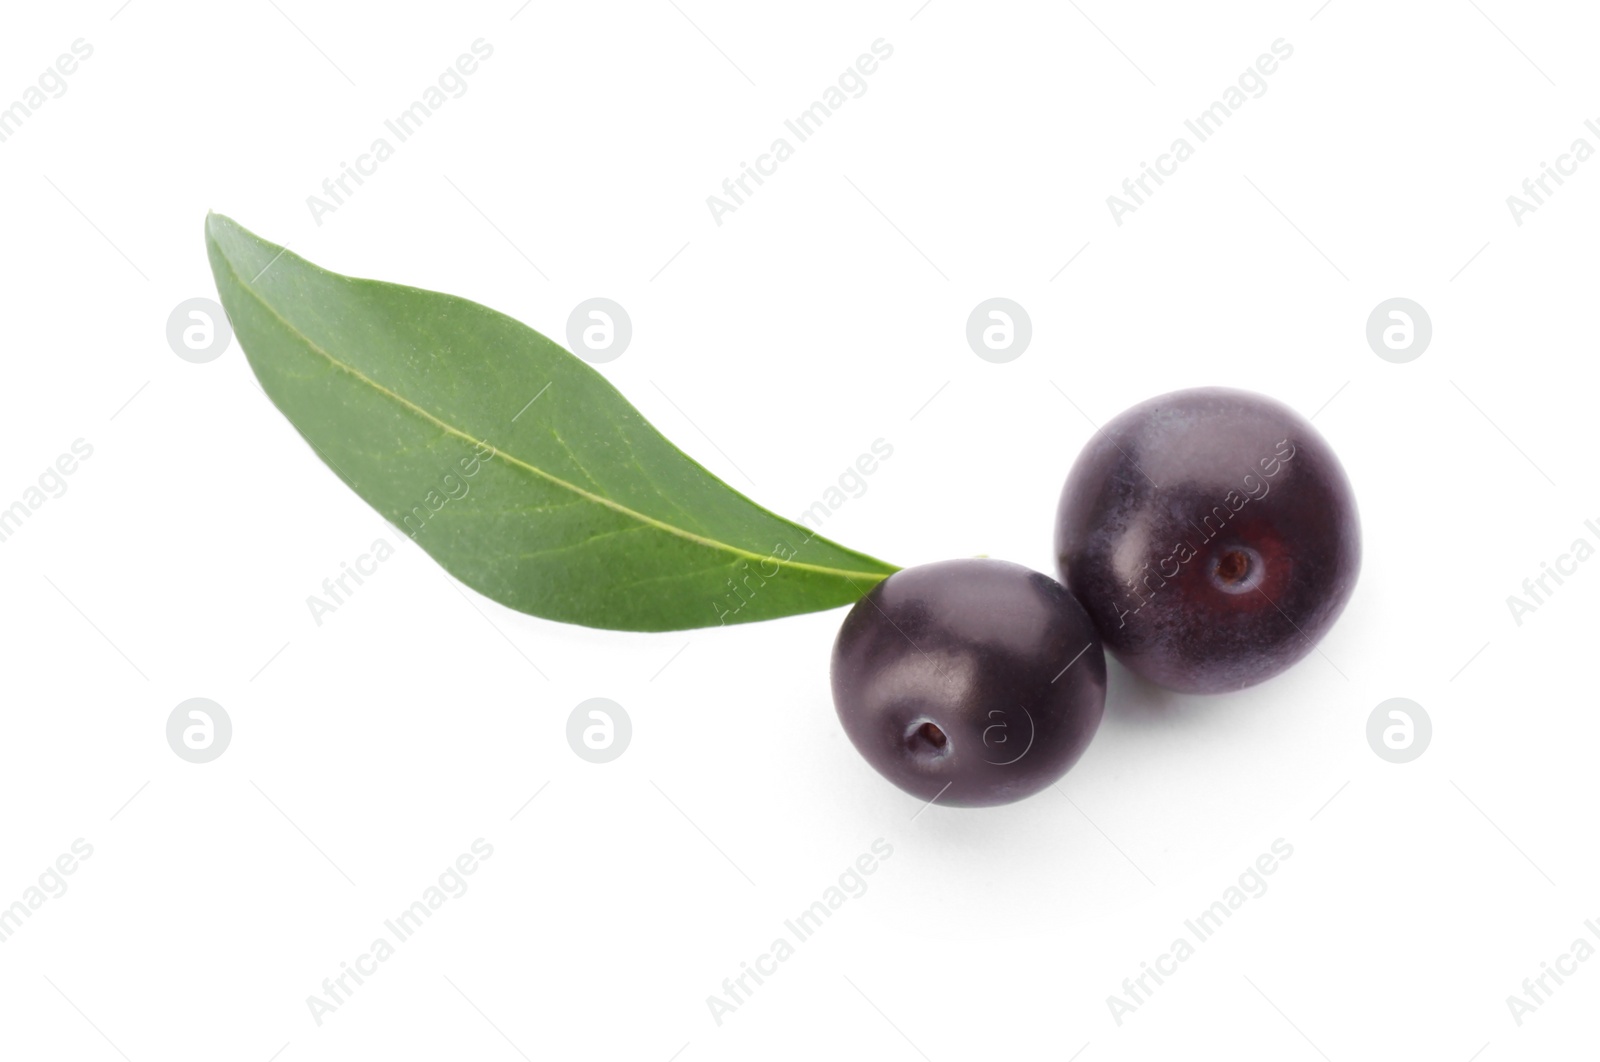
[[1213, 537], [974, 681]]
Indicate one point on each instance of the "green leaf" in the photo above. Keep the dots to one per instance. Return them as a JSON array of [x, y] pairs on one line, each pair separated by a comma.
[[512, 462]]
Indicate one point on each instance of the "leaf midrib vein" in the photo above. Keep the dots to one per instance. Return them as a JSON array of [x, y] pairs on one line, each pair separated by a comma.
[[450, 429]]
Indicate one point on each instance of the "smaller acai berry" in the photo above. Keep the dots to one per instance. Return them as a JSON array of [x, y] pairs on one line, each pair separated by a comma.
[[975, 682]]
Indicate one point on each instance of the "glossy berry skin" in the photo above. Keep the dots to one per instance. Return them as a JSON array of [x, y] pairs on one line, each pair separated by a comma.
[[974, 681], [1213, 537]]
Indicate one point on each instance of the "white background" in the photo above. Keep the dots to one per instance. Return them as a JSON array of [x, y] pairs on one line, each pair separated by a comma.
[[369, 751]]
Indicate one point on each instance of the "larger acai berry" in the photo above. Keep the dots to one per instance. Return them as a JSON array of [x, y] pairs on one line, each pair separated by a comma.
[[1212, 535], [971, 681]]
